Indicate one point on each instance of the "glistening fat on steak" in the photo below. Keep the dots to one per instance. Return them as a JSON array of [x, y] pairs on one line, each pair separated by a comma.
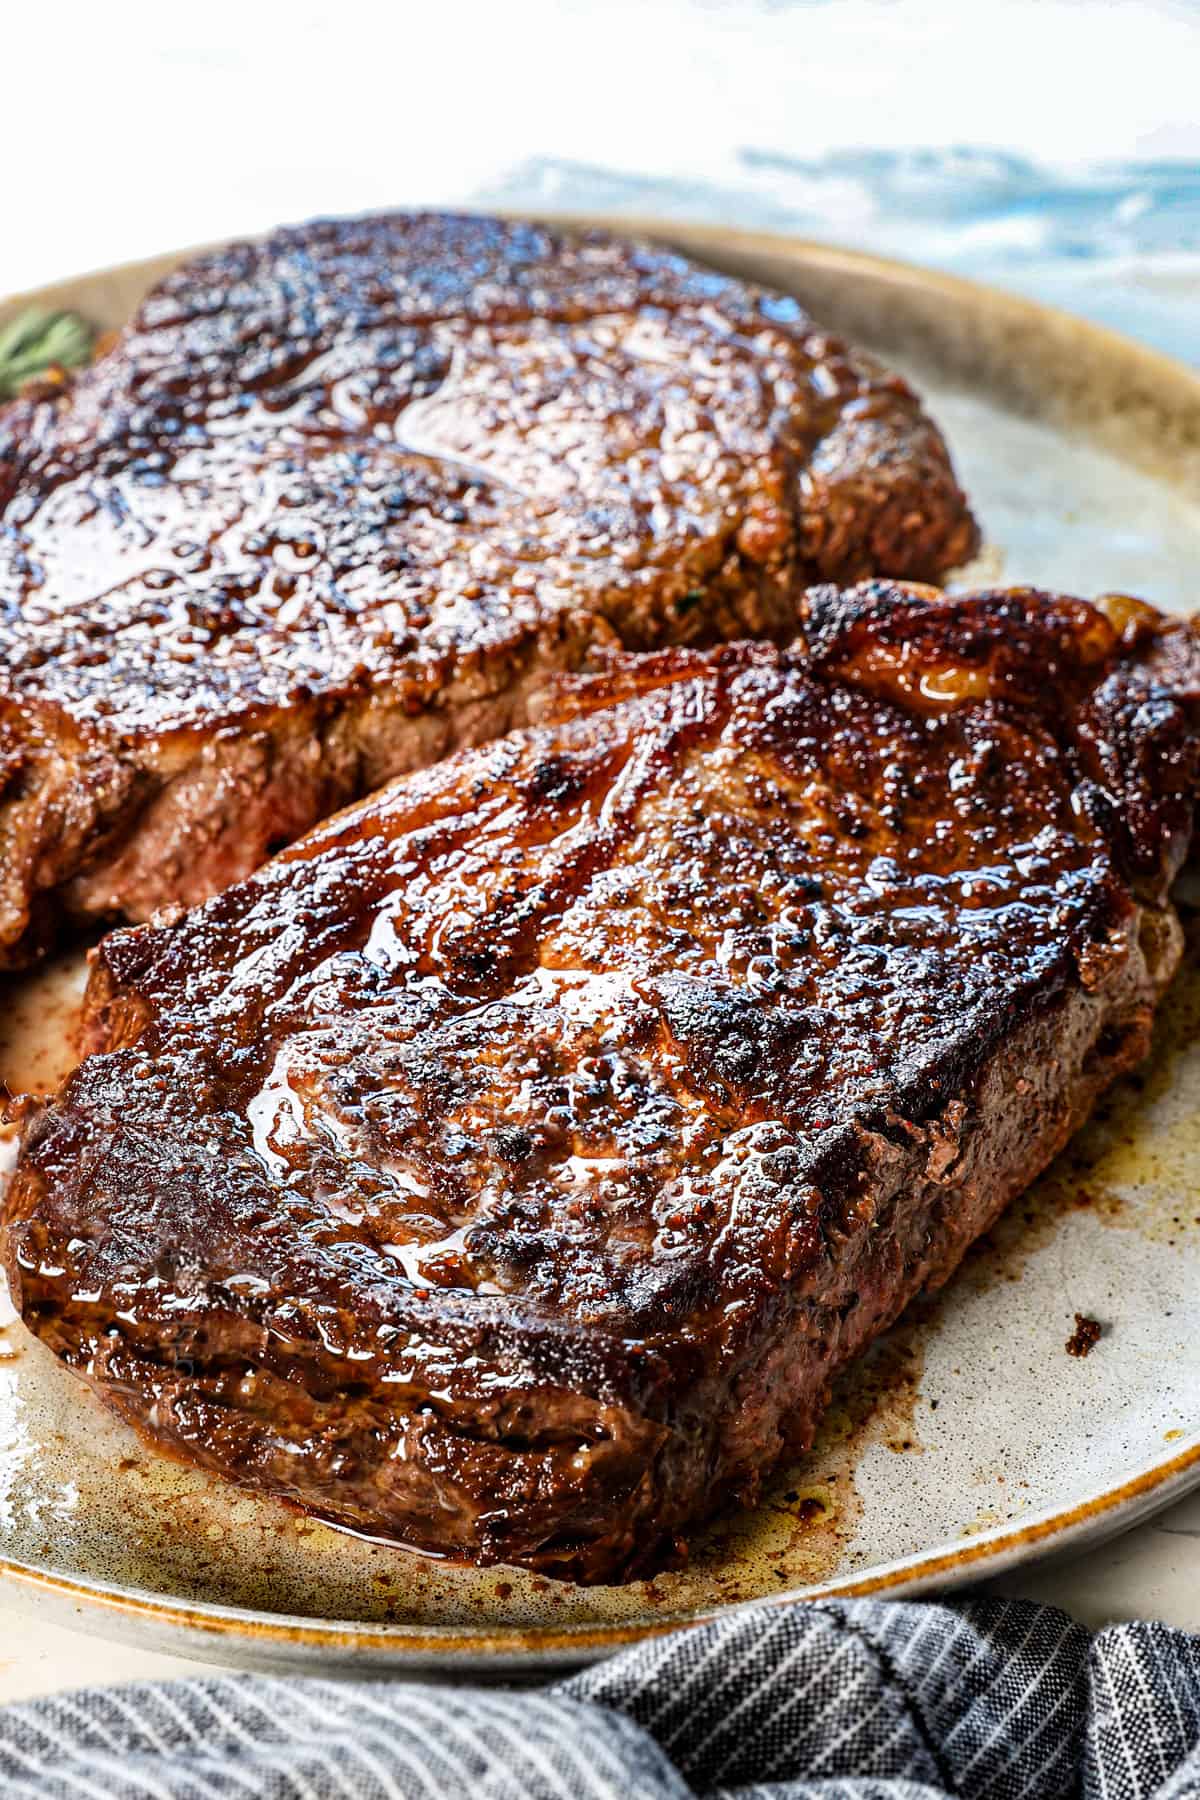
[[509, 1166], [338, 502]]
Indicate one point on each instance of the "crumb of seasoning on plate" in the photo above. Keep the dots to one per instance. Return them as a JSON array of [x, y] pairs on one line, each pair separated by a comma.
[[1086, 1335]]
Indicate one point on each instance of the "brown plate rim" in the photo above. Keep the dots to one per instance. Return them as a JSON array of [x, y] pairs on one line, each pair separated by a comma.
[[1142, 1494]]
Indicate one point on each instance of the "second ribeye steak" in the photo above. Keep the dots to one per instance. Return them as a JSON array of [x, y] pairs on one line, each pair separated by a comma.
[[339, 501]]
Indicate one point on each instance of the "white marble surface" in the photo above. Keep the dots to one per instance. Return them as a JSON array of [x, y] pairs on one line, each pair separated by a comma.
[[37, 1657], [172, 125]]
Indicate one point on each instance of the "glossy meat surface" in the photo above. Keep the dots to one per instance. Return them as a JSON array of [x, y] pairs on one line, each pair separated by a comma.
[[337, 502], [508, 1166]]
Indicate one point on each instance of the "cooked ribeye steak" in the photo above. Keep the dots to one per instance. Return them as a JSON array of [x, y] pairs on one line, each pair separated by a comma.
[[337, 502], [509, 1166]]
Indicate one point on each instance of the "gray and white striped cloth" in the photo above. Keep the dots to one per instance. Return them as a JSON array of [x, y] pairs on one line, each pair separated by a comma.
[[855, 1700]]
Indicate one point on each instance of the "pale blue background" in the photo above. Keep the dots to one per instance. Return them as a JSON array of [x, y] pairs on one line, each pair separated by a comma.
[[1053, 145], [1119, 242]]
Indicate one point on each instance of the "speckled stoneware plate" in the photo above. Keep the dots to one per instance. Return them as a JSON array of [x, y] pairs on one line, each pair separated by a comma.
[[970, 1440]]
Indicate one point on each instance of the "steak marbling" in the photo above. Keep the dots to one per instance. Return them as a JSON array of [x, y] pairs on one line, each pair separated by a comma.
[[509, 1166], [337, 502]]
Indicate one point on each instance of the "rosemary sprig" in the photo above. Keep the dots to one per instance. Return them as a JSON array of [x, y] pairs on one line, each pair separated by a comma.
[[36, 341]]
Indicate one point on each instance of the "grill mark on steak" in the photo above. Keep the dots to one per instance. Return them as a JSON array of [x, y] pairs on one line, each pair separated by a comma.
[[338, 502], [800, 963]]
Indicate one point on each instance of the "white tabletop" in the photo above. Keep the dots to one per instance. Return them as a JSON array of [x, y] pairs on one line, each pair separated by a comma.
[[160, 126]]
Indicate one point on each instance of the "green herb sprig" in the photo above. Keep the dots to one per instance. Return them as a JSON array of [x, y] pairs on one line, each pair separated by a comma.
[[36, 341]]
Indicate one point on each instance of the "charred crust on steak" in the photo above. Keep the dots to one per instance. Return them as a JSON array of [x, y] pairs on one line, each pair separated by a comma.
[[340, 501], [509, 1166]]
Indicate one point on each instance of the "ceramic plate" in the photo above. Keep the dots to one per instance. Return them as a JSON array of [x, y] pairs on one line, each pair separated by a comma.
[[969, 1440]]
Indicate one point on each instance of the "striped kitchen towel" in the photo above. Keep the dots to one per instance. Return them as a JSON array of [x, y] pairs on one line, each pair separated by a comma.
[[852, 1700]]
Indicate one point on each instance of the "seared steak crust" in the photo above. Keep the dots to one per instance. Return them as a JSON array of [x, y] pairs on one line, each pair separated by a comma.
[[509, 1165], [339, 501]]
